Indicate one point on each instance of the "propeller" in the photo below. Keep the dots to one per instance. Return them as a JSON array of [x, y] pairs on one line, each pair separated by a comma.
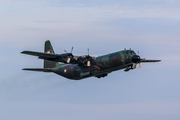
[[70, 55], [88, 59], [136, 60], [84, 60]]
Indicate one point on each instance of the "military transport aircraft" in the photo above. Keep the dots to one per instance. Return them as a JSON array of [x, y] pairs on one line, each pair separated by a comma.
[[80, 67]]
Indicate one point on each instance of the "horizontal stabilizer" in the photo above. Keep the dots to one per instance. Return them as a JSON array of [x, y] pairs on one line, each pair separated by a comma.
[[39, 69], [143, 60]]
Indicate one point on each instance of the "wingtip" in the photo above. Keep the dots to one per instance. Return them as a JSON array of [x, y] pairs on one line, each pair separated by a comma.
[[25, 69], [22, 52], [158, 60]]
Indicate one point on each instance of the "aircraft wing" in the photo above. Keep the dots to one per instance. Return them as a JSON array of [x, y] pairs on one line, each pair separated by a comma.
[[38, 69], [144, 60], [49, 56]]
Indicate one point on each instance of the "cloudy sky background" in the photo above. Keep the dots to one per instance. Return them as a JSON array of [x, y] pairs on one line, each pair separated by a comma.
[[149, 26]]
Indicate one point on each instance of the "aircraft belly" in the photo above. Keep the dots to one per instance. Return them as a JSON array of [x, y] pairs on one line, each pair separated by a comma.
[[75, 72], [109, 70]]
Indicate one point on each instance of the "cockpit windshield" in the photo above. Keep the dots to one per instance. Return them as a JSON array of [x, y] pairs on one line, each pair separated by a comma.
[[130, 52]]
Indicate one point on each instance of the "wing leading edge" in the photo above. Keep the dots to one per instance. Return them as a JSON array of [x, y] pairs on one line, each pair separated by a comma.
[[144, 60], [39, 69]]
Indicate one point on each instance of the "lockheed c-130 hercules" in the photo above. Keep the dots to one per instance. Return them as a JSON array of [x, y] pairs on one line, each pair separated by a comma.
[[80, 67]]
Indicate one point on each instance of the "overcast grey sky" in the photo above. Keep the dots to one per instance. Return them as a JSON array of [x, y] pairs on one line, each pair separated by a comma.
[[149, 26]]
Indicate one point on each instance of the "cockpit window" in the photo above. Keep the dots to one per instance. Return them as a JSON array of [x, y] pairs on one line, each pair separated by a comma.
[[130, 52]]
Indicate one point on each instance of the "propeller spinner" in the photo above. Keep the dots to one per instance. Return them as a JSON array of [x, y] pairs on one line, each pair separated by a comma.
[[136, 60]]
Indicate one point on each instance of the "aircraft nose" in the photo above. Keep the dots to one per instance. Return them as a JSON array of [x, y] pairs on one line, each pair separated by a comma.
[[136, 58]]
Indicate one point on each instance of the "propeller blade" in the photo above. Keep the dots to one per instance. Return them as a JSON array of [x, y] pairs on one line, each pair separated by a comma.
[[134, 65], [72, 49], [65, 51], [88, 51], [140, 65], [68, 60], [88, 63]]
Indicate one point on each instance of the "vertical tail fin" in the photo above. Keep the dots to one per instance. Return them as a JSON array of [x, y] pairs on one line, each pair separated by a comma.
[[49, 49]]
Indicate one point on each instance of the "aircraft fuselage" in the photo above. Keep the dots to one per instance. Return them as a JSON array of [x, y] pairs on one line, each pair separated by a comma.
[[100, 67]]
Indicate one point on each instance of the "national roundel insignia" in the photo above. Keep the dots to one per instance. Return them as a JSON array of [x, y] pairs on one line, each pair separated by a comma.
[[48, 51]]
